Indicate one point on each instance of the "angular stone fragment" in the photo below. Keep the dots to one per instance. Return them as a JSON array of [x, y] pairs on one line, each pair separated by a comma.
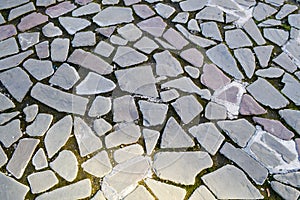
[[153, 113], [57, 135], [5, 103], [40, 125], [60, 49], [81, 39], [167, 65], [39, 160], [125, 133], [113, 15], [21, 156], [252, 29], [208, 77], [202, 193], [14, 130], [45, 3], [104, 49], [139, 193], [50, 30], [5, 117], [174, 136], [3, 157], [39, 69], [286, 192], [193, 25], [127, 56], [277, 36], [208, 136], [294, 20], [128, 152], [155, 26], [90, 61], [291, 88], [292, 118], [237, 38], [73, 24], [144, 84], [106, 31], [99, 165], [211, 30], [284, 61], [143, 11], [27, 40], [234, 180], [169, 95], [262, 11], [271, 72], [8, 47], [79, 190], [58, 100], [124, 109], [88, 9], [249, 106], [21, 10], [193, 56], [192, 5], [14, 60], [60, 9], [42, 181], [114, 39], [175, 38], [247, 60], [10, 188], [98, 196], [10, 4], [101, 126], [150, 139], [65, 77], [291, 178], [211, 13], [86, 139], [263, 53], [42, 50], [101, 106], [7, 31], [32, 20], [192, 71], [181, 17], [164, 10], [285, 10], [130, 32], [146, 45]]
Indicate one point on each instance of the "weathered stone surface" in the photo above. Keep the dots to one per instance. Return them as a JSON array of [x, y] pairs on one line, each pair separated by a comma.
[[143, 11], [58, 100], [79, 190], [215, 111], [144, 84], [42, 181], [263, 53], [291, 88], [32, 20], [39, 160], [266, 94], [164, 10], [99, 165], [65, 77], [252, 29], [104, 49], [113, 15], [150, 139], [125, 177], [21, 10], [124, 109], [237, 38], [42, 49], [8, 47], [10, 188], [291, 178], [40, 125], [165, 191], [175, 38], [81, 39], [60, 9], [21, 156], [125, 133], [155, 26], [88, 9], [106, 31], [208, 136], [14, 60], [208, 77], [3, 157], [202, 193], [286, 192], [10, 4], [249, 106], [7, 31], [6, 103], [27, 39], [73, 24], [292, 118], [60, 49], [167, 65], [128, 152], [57, 135], [240, 131], [247, 60], [174, 136], [139, 193], [101, 126], [277, 36], [101, 106], [86, 139], [50, 30], [127, 56], [153, 113], [230, 182], [17, 82], [39, 69], [221, 56]]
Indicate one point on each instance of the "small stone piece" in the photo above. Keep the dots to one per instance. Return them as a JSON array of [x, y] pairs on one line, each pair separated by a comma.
[[262, 11], [101, 106], [155, 26], [5, 103], [150, 139], [13, 188], [193, 25], [167, 65], [14, 130], [285, 10], [9, 47], [21, 10], [128, 152], [211, 30], [50, 30], [277, 36], [291, 178], [124, 109], [60, 49], [292, 118], [127, 56], [114, 39], [247, 60], [169, 95], [211, 13], [294, 20], [192, 56], [82, 39], [181, 17], [263, 53], [73, 24], [164, 10], [286, 192], [60, 9], [237, 38], [249, 106], [153, 113], [42, 50], [291, 88], [252, 29], [7, 31], [271, 72], [214, 111], [192, 71], [106, 31], [101, 127], [143, 11], [177, 40], [32, 20], [104, 49], [27, 40], [42, 181], [113, 15], [39, 160], [40, 125], [5, 117], [146, 45], [45, 3], [99, 165], [10, 4]]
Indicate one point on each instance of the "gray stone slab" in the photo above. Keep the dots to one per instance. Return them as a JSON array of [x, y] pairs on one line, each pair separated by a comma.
[[40, 125], [45, 3], [181, 17], [286, 192], [292, 118], [59, 100], [50, 30], [32, 20], [60, 49], [116, 40], [8, 47], [65, 77], [104, 49], [39, 160], [21, 10], [155, 26], [127, 56], [5, 117], [246, 58], [113, 15], [21, 156], [193, 56], [202, 193], [210, 13], [192, 71], [88, 9], [237, 38], [285, 10], [277, 36], [124, 109], [146, 45], [99, 165], [192, 5], [101, 126], [14, 129], [294, 20], [214, 111], [230, 182], [42, 49], [73, 24], [39, 69], [31, 112], [106, 31], [128, 152], [82, 39], [150, 139], [6, 103], [211, 30], [7, 31], [153, 113], [3, 157], [60, 9], [263, 54], [10, 4], [193, 25], [262, 11], [12, 189], [252, 29], [143, 11], [291, 178], [291, 88], [100, 106], [164, 10], [167, 64], [169, 95], [42, 181], [285, 62], [130, 32], [271, 72], [139, 193], [175, 38], [27, 40], [14, 60]]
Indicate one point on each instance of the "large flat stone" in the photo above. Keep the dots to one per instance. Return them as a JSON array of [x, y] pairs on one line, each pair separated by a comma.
[[153, 113], [124, 109], [42, 181], [60, 49], [40, 125], [113, 15], [14, 60], [127, 56], [12, 189], [167, 64]]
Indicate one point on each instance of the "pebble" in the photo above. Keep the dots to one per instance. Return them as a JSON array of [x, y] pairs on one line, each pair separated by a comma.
[[42, 50], [100, 106], [32, 20], [101, 127], [130, 32], [14, 60], [73, 24], [247, 60], [39, 160], [128, 152], [13, 188], [42, 181], [88, 9], [21, 10], [127, 56], [154, 25], [39, 69], [60, 9], [249, 106], [60, 49], [153, 113], [7, 31], [263, 54], [143, 11], [146, 45], [124, 109], [6, 103], [150, 138], [82, 39], [113, 15], [50, 30], [8, 47], [167, 64]]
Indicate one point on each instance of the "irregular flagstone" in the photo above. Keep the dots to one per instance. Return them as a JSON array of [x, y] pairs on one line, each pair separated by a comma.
[[262, 11], [39, 69], [124, 109], [292, 118], [210, 13], [292, 48], [12, 189], [42, 49], [60, 9], [270, 23], [240, 131], [17, 82], [101, 126], [221, 56], [155, 26], [291, 88], [106, 31], [150, 139], [275, 127], [40, 125], [73, 24], [153, 113], [181, 17], [230, 182], [50, 30], [143, 11], [86, 139], [187, 107], [247, 60], [253, 168], [79, 190], [113, 15], [286, 192], [58, 100], [237, 38], [5, 117], [81, 39], [125, 177], [202, 193], [263, 53], [192, 5], [21, 156], [45, 3], [266, 94], [208, 136], [104, 49], [175, 38], [88, 9], [130, 32], [6, 103], [165, 191], [3, 157], [128, 152], [192, 71], [65, 76], [21, 10], [215, 111], [60, 49], [173, 165], [277, 36], [193, 25], [39, 160], [167, 64], [27, 40], [144, 84], [169, 95], [146, 45], [32, 20], [193, 56], [101, 106], [291, 178], [271, 72], [57, 136], [14, 60], [14, 130], [7, 31], [90, 61], [65, 165], [285, 10], [8, 47], [251, 28], [294, 20], [285, 62], [10, 4], [174, 136], [125, 133], [42, 181], [211, 30], [164, 10], [99, 165], [186, 85], [114, 39], [164, 44], [94, 84], [139, 193], [127, 56], [249, 106]]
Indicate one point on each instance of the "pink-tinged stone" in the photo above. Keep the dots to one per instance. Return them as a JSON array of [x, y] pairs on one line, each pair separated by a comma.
[[60, 9], [106, 31], [249, 106], [83, 2], [175, 38], [32, 20], [7, 31], [213, 77], [143, 11], [155, 26], [193, 56], [230, 95], [275, 127], [297, 141], [42, 49]]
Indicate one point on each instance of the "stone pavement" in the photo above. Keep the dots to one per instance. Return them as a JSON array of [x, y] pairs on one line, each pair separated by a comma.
[[149, 99]]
